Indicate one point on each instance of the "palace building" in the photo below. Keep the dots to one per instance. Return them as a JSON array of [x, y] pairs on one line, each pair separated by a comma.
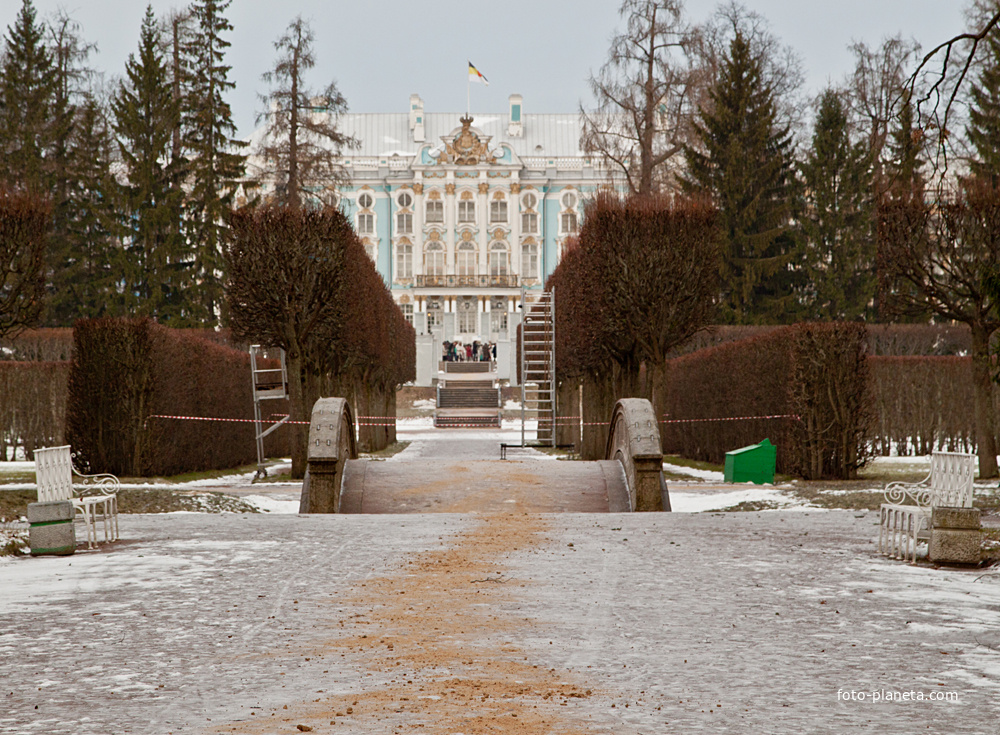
[[462, 212]]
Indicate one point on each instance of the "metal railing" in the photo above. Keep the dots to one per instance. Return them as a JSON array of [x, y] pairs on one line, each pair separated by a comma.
[[484, 281]]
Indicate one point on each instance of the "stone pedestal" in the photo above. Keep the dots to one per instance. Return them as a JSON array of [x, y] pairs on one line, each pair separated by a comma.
[[52, 532], [956, 537]]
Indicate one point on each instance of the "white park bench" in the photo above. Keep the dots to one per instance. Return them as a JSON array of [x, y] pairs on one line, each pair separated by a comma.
[[96, 495], [906, 514]]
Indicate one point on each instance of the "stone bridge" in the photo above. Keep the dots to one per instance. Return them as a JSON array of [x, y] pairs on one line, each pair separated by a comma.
[[460, 475]]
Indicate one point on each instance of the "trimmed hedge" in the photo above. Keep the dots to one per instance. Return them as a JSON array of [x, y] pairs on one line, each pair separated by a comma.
[[126, 370], [818, 372], [32, 405]]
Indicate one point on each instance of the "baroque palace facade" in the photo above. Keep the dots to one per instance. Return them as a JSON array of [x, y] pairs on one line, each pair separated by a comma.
[[460, 212]]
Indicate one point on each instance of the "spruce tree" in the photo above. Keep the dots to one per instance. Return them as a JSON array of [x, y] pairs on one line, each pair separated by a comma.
[[216, 167], [744, 162], [838, 254], [155, 261], [28, 89], [984, 113], [86, 274], [903, 176]]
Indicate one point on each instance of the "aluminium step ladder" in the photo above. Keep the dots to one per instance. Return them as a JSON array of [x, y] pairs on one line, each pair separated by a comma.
[[270, 382], [538, 363]]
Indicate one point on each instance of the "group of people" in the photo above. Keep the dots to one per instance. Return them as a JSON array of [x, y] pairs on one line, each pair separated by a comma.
[[476, 352]]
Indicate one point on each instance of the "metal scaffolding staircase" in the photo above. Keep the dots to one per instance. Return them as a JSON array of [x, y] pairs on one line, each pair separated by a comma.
[[538, 363], [270, 382]]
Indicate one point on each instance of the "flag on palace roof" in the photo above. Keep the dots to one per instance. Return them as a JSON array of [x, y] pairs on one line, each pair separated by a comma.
[[476, 76]]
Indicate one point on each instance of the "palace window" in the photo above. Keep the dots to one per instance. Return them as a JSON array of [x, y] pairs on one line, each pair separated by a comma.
[[529, 217], [404, 200], [404, 260], [466, 259], [529, 260], [435, 212], [366, 218], [498, 314], [498, 259], [466, 211], [434, 260], [569, 222], [467, 312], [529, 223], [407, 310], [498, 211], [434, 318], [404, 223]]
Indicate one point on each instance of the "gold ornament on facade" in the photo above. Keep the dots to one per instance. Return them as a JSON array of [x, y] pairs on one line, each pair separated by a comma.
[[449, 189], [515, 188], [466, 196], [467, 236], [466, 148], [498, 196], [434, 195], [433, 235], [404, 299], [484, 188], [418, 189]]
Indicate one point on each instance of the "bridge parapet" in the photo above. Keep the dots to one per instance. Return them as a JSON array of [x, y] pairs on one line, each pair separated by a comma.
[[634, 440], [331, 443]]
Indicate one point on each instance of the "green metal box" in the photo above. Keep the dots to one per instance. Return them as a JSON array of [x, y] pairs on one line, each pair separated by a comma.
[[752, 464]]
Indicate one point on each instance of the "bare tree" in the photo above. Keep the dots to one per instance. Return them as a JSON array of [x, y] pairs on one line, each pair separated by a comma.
[[301, 144], [876, 89], [933, 257], [24, 224], [644, 95], [285, 289]]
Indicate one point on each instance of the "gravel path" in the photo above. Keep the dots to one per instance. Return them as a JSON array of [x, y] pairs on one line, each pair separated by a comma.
[[496, 623]]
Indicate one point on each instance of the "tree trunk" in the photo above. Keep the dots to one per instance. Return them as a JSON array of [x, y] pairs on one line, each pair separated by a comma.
[[983, 385], [297, 408]]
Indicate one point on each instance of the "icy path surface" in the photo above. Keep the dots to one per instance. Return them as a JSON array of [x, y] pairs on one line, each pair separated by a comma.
[[738, 622]]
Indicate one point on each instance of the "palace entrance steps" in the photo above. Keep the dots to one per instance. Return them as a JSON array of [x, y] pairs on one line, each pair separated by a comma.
[[468, 395], [457, 474]]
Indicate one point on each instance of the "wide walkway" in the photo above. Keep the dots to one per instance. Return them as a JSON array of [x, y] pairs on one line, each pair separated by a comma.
[[500, 622]]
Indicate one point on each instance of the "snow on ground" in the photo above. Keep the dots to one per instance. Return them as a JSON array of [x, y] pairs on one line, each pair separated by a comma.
[[693, 472], [272, 505], [425, 403], [693, 498]]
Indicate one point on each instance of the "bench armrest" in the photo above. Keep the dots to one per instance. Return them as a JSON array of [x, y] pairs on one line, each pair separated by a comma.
[[908, 493], [100, 484]]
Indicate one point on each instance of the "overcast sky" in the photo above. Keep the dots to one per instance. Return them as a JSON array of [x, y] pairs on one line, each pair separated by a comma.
[[380, 52]]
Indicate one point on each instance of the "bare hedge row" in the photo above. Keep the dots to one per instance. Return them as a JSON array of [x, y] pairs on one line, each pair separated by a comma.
[[125, 372], [815, 372]]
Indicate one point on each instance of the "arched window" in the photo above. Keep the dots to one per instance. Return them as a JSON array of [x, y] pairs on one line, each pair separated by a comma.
[[498, 259], [529, 260], [466, 259], [404, 260], [434, 259]]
